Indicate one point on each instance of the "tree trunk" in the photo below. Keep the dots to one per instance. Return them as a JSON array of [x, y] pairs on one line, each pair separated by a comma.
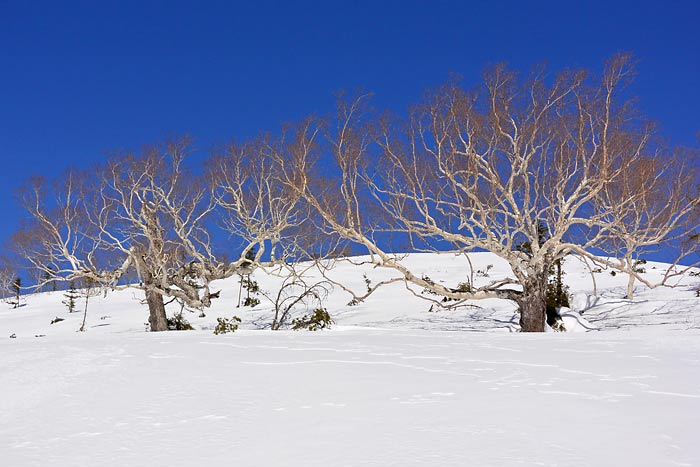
[[156, 309], [631, 266], [533, 306], [87, 299], [630, 287]]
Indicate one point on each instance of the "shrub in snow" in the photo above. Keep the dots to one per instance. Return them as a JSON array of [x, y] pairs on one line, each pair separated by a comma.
[[557, 325], [638, 266], [16, 289], [296, 294], [71, 296], [484, 272], [251, 287], [179, 323], [225, 325], [319, 319]]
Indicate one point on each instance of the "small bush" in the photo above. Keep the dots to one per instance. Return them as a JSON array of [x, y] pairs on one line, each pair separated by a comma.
[[558, 326], [368, 282], [251, 301], [251, 287], [225, 325], [179, 323], [430, 282], [319, 319], [71, 296]]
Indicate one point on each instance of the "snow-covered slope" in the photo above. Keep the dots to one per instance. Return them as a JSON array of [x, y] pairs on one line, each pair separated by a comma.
[[393, 306], [390, 384]]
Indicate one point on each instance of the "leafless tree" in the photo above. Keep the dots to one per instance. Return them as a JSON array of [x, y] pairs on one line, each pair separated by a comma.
[[255, 207], [297, 291], [142, 212], [486, 169], [89, 289], [649, 205], [7, 277], [531, 170], [147, 213], [256, 187]]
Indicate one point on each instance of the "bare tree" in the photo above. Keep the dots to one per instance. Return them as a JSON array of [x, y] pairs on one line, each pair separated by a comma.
[[144, 212], [648, 207], [485, 169], [256, 186], [89, 289], [256, 208], [57, 240], [297, 291], [147, 213], [7, 276]]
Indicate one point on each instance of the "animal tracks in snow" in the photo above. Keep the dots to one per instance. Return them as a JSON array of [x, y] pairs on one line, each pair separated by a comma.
[[430, 398]]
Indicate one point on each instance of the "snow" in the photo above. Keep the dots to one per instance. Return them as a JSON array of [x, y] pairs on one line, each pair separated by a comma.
[[390, 384]]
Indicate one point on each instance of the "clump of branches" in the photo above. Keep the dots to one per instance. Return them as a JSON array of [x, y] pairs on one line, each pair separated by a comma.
[[296, 297]]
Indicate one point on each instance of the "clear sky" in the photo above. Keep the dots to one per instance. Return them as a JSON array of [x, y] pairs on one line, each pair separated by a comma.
[[78, 79]]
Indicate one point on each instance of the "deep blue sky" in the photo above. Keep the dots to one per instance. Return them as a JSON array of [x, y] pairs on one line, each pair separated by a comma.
[[78, 79]]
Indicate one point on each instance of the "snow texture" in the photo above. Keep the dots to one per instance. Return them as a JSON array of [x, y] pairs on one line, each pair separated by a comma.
[[390, 384]]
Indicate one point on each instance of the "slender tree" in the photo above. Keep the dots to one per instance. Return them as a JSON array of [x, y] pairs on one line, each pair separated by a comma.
[[17, 291], [70, 297], [89, 290]]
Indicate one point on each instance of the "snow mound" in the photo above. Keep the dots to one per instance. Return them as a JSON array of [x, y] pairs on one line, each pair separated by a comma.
[[574, 322], [583, 301]]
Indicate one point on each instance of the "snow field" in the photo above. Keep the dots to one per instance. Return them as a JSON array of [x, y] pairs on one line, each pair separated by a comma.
[[390, 384]]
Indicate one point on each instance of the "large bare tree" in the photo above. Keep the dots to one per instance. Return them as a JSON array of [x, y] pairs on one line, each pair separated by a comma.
[[489, 169], [145, 213], [148, 215], [255, 186]]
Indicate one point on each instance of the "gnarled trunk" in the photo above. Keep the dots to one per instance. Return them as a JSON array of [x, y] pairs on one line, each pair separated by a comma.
[[533, 305], [156, 307], [630, 287], [156, 311]]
